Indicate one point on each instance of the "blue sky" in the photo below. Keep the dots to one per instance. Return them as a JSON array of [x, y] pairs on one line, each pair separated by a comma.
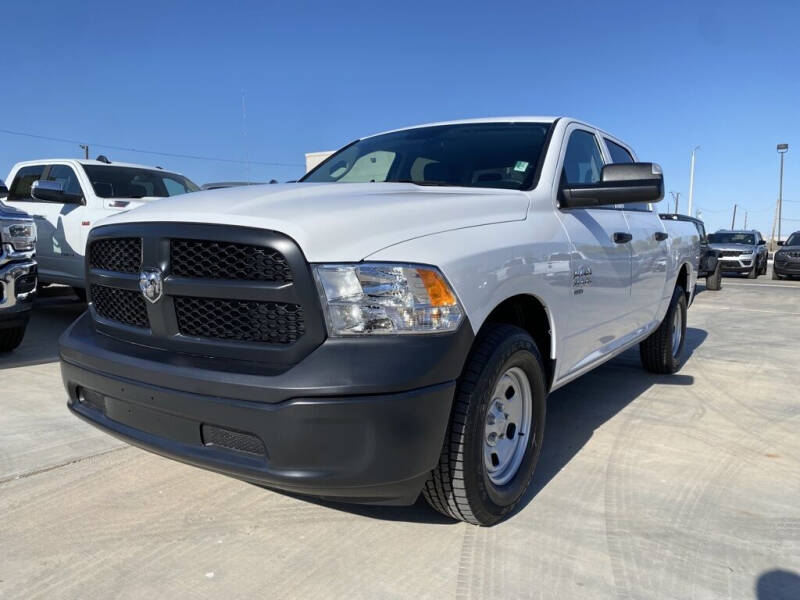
[[170, 76]]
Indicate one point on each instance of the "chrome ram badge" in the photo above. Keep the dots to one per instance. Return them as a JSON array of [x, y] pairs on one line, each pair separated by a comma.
[[151, 284]]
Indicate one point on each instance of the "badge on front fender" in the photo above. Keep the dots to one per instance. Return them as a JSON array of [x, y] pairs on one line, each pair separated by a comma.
[[151, 285]]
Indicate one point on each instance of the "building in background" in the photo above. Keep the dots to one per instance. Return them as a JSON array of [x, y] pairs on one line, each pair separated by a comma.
[[314, 158]]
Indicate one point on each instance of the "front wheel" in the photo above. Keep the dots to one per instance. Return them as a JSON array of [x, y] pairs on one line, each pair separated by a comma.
[[661, 352], [496, 429], [774, 273], [753, 273], [11, 337], [714, 281]]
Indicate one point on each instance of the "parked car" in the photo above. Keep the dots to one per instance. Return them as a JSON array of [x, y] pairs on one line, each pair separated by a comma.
[[393, 323], [741, 251], [787, 258], [66, 196], [709, 264], [17, 274]]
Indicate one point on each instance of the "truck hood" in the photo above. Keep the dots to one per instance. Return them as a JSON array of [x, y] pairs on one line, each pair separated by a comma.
[[741, 248], [339, 222]]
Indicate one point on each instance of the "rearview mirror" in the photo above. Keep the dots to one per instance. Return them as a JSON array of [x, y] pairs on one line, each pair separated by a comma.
[[52, 191], [622, 183]]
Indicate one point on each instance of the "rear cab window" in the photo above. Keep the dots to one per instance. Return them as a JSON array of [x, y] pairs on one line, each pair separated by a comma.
[[621, 155]]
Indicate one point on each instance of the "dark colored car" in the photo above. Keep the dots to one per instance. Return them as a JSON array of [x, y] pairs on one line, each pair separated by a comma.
[[710, 266], [787, 259]]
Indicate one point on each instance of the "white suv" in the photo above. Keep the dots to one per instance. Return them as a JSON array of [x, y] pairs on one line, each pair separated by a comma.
[[67, 196]]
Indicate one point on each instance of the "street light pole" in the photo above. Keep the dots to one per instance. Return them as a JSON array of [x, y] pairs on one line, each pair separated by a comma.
[[733, 221], [676, 196], [782, 149], [691, 181]]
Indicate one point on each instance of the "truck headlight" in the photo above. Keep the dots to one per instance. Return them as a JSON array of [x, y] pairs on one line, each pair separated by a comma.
[[21, 236], [386, 298]]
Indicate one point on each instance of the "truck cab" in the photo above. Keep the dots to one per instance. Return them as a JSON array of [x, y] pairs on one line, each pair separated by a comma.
[[66, 197]]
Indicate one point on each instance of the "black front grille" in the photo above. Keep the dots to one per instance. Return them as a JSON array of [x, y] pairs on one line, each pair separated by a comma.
[[232, 439], [122, 306], [240, 320], [731, 253], [123, 255], [224, 260]]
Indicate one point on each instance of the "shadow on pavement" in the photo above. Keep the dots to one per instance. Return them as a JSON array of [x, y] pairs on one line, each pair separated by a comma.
[[574, 413], [778, 584], [54, 309]]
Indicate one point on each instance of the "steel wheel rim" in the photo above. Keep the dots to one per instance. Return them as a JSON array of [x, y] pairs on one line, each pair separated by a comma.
[[677, 331], [507, 426]]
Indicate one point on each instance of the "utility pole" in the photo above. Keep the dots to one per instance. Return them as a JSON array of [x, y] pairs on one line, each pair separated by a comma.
[[782, 149], [676, 196], [745, 219], [691, 181], [85, 148], [733, 221]]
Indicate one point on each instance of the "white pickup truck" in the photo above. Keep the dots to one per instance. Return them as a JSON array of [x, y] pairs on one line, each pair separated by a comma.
[[392, 324], [66, 197]]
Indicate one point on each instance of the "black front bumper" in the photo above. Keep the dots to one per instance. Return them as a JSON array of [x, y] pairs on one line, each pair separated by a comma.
[[787, 267], [357, 420]]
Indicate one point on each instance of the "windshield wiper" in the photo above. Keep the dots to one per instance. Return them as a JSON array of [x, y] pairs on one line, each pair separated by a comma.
[[418, 182]]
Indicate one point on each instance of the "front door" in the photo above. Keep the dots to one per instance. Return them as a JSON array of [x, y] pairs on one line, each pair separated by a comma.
[[600, 261]]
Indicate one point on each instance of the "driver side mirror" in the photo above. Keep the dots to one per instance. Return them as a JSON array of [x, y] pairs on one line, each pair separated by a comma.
[[780, 243], [621, 183], [52, 191], [762, 242]]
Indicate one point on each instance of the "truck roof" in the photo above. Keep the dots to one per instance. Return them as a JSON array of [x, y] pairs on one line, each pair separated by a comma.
[[84, 161]]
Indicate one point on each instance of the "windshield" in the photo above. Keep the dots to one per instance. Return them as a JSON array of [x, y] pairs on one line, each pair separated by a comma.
[[732, 238], [794, 240], [133, 182], [494, 155]]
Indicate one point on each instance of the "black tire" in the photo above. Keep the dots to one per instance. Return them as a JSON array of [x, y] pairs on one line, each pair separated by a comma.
[[714, 281], [753, 273], [774, 274], [657, 352], [80, 293], [11, 337], [763, 267], [459, 486]]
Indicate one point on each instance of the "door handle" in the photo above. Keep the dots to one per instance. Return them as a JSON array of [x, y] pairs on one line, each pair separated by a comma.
[[622, 237], [661, 236]]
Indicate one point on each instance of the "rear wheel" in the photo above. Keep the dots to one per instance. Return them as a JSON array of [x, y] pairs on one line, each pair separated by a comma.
[[714, 281], [11, 338], [661, 352], [496, 429]]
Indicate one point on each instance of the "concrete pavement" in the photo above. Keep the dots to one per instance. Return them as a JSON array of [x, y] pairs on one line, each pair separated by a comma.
[[681, 486]]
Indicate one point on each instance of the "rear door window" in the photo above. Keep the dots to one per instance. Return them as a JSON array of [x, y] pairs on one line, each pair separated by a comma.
[[20, 190], [618, 153]]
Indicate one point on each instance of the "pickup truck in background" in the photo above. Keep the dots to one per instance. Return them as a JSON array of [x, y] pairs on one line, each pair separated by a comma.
[[66, 196], [393, 323], [17, 273], [709, 264], [741, 251]]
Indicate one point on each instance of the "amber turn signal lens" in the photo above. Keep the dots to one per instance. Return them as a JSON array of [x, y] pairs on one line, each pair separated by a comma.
[[438, 291]]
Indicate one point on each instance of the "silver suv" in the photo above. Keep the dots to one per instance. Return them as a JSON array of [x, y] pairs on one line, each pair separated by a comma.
[[741, 251]]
